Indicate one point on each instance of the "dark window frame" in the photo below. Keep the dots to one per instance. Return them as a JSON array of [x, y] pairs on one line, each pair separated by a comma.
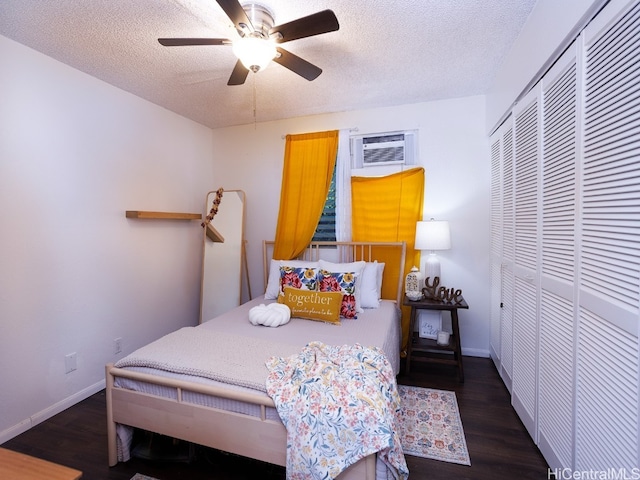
[[326, 228]]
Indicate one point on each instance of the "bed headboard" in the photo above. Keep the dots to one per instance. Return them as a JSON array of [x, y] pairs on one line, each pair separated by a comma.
[[391, 253]]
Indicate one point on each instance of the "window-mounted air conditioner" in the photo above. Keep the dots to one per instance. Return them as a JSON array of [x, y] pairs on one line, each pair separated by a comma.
[[395, 148]]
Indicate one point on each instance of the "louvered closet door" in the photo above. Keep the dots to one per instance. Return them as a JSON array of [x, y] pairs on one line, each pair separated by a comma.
[[608, 374], [557, 303], [496, 247], [525, 306], [508, 254]]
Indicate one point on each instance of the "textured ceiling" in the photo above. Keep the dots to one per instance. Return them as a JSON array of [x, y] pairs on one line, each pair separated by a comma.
[[387, 52]]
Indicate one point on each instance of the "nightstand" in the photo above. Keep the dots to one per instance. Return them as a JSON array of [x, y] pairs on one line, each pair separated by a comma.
[[427, 349]]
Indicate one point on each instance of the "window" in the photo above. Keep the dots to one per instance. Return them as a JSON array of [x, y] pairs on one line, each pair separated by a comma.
[[326, 229]]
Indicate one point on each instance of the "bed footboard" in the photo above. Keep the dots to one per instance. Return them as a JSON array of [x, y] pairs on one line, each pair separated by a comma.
[[253, 437]]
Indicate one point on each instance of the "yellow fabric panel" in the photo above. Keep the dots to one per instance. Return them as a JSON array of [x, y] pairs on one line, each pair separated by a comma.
[[386, 209], [309, 161]]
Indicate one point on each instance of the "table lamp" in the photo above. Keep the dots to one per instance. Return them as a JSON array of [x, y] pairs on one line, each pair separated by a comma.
[[432, 235]]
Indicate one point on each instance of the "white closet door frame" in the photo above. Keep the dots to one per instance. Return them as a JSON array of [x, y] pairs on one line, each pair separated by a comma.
[[527, 125], [608, 385], [495, 346], [558, 274], [508, 254]]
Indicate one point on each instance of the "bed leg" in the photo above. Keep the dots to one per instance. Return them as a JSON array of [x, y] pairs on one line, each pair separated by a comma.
[[111, 426]]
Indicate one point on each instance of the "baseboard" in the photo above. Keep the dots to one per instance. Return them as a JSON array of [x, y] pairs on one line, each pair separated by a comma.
[[475, 352], [549, 454], [527, 419], [49, 412], [495, 357], [14, 431], [506, 378]]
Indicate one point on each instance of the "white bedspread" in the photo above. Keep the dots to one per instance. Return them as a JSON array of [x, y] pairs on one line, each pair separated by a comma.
[[209, 354], [379, 327]]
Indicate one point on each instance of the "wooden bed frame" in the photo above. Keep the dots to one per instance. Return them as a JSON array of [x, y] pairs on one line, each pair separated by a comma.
[[251, 436]]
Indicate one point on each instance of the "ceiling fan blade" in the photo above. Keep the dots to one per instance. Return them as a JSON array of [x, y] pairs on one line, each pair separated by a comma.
[[297, 64], [239, 74], [236, 14], [183, 42], [315, 24]]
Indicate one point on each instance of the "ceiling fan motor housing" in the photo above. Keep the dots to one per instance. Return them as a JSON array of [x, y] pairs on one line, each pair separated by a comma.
[[261, 18]]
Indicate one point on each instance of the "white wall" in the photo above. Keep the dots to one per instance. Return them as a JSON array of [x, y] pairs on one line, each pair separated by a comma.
[[453, 149], [75, 153], [551, 26]]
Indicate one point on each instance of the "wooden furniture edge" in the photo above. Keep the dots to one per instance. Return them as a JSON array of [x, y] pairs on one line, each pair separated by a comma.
[[147, 215], [22, 466]]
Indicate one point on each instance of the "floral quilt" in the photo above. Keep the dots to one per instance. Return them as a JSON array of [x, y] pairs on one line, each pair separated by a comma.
[[339, 404]]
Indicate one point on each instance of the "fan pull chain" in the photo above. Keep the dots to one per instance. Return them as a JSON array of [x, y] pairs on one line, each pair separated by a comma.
[[255, 125]]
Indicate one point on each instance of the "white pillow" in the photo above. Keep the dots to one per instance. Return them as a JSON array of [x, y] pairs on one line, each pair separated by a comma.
[[273, 281], [371, 286], [353, 267]]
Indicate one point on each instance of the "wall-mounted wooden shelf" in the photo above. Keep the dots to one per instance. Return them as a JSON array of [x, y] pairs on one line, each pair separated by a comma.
[[163, 215]]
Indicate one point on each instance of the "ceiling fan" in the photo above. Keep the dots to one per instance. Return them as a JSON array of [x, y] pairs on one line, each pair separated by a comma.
[[257, 45]]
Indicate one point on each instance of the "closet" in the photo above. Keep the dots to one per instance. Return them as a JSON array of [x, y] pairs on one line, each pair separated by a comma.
[[565, 249]]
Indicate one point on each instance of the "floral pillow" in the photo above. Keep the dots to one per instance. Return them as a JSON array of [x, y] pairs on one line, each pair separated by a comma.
[[274, 288], [344, 282], [303, 278], [355, 268]]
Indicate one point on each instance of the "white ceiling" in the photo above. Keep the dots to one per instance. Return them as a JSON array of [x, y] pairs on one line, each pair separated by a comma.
[[387, 52]]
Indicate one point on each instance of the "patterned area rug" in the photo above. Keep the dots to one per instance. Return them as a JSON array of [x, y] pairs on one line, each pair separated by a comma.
[[139, 476], [431, 426]]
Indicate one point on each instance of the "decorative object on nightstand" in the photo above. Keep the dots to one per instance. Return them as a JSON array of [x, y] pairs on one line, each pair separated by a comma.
[[449, 295], [443, 338], [433, 235], [430, 290], [433, 291], [429, 325], [412, 284]]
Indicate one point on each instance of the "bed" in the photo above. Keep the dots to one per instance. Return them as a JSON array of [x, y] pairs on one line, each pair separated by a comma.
[[242, 419]]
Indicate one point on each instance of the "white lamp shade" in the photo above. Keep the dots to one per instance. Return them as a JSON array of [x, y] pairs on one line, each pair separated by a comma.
[[254, 53], [433, 235]]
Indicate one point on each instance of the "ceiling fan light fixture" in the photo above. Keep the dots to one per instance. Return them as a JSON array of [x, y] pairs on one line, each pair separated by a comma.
[[255, 53], [256, 46]]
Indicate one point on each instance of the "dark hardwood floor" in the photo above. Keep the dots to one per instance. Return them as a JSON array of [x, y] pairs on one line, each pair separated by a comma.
[[499, 446]]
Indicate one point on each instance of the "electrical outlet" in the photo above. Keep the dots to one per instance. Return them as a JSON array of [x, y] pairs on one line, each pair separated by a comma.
[[70, 362], [117, 345]]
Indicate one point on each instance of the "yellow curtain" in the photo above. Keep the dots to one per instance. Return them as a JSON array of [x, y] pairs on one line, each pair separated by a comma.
[[309, 160], [386, 209]]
